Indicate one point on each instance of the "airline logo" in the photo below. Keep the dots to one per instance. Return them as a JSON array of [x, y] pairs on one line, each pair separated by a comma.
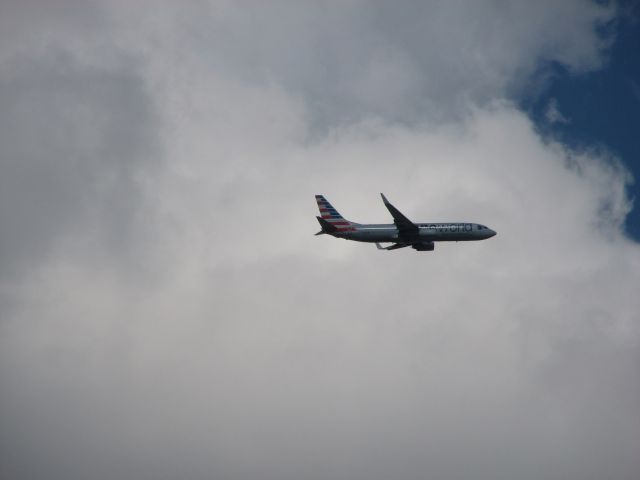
[[331, 215]]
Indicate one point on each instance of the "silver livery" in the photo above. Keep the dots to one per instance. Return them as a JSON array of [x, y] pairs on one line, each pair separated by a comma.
[[401, 233]]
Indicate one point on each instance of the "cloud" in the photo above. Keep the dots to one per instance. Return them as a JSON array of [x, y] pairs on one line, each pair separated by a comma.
[[402, 62], [552, 114], [216, 337], [73, 137]]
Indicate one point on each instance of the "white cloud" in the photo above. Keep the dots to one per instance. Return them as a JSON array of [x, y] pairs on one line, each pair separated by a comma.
[[404, 61], [222, 339]]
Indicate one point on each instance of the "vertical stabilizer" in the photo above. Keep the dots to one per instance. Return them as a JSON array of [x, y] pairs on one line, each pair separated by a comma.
[[331, 216]]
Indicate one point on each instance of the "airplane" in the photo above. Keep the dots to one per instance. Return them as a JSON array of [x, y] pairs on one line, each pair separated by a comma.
[[402, 232]]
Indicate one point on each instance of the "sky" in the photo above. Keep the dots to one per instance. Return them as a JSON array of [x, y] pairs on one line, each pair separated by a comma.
[[166, 312], [599, 109]]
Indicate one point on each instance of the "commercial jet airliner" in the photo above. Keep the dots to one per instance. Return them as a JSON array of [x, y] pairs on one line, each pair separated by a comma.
[[402, 232]]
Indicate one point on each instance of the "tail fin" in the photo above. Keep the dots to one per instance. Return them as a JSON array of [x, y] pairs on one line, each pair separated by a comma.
[[330, 220]]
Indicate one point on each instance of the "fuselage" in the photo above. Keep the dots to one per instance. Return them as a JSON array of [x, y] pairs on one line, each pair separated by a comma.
[[427, 232]]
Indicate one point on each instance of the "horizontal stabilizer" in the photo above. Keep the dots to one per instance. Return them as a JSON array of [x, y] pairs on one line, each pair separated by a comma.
[[325, 226]]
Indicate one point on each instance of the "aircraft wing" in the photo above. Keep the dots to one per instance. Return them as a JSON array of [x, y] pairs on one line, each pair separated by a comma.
[[406, 228], [395, 246]]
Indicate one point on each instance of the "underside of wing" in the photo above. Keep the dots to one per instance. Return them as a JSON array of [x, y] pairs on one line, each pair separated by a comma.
[[395, 246], [419, 246], [406, 228]]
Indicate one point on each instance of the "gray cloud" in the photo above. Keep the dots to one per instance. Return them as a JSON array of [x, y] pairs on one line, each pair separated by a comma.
[[73, 137], [175, 317], [553, 114], [407, 61]]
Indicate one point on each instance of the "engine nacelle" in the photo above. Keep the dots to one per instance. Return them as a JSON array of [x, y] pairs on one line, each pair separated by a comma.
[[424, 246]]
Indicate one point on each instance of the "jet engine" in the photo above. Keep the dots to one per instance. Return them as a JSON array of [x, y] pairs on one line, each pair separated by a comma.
[[424, 246]]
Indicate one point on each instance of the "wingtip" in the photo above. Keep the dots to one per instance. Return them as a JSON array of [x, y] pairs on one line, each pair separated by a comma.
[[384, 199]]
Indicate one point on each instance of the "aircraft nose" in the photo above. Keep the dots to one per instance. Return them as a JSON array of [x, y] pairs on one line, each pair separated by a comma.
[[492, 233]]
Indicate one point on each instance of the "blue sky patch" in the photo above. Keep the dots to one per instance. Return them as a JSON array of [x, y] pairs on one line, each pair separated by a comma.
[[601, 108]]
